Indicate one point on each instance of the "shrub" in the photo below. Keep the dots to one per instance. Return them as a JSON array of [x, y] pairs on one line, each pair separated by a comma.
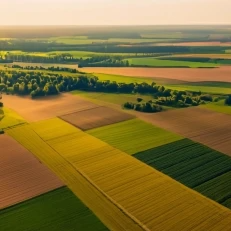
[[206, 98]]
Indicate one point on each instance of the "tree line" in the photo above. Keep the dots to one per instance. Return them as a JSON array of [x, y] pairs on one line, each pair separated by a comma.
[[45, 83]]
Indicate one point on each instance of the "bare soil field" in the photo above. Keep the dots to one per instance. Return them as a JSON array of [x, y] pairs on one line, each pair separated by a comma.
[[47, 107], [195, 44], [22, 176], [201, 125], [96, 117], [221, 74]]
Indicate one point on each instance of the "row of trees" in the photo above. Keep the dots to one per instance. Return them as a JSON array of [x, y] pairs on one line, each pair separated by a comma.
[[46, 83]]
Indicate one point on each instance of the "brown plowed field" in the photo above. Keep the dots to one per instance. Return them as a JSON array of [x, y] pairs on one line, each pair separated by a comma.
[[221, 74], [47, 107], [95, 117], [207, 127], [22, 176]]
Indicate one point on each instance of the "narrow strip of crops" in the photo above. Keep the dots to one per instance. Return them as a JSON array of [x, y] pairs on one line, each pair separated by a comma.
[[133, 136], [124, 192], [58, 210], [195, 165]]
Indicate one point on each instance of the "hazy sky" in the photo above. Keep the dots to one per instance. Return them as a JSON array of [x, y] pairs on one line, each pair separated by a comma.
[[114, 12]]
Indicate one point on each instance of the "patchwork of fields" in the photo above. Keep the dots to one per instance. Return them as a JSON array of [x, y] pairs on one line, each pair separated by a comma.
[[22, 175], [199, 124], [194, 165], [125, 187]]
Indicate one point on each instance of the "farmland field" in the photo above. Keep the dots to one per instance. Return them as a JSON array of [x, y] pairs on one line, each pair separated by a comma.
[[123, 180], [22, 175], [152, 62], [133, 136], [10, 119], [44, 108], [212, 56], [221, 74], [57, 211], [196, 166], [95, 117], [199, 124], [218, 107]]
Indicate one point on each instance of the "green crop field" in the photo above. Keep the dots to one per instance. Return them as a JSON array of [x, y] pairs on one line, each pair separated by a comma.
[[133, 135], [203, 88], [218, 107], [153, 62], [58, 210], [195, 165]]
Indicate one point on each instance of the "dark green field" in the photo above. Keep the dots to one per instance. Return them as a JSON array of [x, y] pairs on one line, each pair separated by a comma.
[[194, 165], [58, 210]]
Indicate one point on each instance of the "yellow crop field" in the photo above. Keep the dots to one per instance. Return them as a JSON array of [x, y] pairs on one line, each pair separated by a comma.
[[116, 185]]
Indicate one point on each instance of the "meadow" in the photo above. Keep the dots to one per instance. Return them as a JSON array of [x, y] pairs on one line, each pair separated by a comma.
[[57, 210], [182, 206], [194, 165]]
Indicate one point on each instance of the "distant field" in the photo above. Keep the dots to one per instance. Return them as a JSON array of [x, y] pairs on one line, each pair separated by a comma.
[[152, 62], [22, 175], [203, 88], [196, 166], [218, 107], [133, 136], [132, 187], [198, 124], [212, 56], [58, 210], [221, 74], [11, 118], [195, 44]]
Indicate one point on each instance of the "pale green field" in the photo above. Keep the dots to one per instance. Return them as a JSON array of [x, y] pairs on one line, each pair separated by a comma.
[[218, 107], [152, 62], [134, 136]]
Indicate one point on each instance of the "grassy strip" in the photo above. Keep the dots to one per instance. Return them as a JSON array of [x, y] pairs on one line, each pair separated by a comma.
[[56, 210], [134, 135], [152, 62], [195, 165]]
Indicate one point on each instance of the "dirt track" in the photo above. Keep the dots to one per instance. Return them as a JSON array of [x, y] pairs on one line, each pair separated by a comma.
[[222, 74], [22, 176]]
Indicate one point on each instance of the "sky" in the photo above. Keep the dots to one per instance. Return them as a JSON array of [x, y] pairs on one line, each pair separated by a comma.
[[114, 12]]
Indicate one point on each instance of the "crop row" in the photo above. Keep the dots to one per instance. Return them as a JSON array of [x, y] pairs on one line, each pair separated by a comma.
[[194, 165], [120, 189]]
